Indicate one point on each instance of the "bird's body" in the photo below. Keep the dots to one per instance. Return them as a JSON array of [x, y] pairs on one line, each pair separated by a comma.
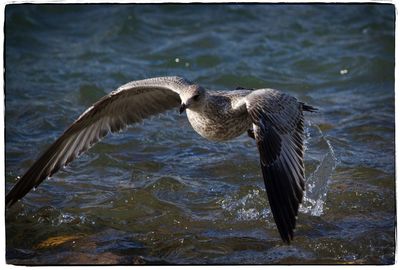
[[219, 119], [272, 118]]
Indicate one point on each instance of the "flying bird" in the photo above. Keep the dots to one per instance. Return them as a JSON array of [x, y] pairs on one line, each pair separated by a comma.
[[272, 118]]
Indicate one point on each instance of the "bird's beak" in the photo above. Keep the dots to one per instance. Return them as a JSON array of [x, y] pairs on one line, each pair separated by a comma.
[[182, 108]]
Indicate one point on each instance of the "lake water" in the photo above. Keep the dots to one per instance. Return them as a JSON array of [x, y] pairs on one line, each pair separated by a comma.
[[159, 193]]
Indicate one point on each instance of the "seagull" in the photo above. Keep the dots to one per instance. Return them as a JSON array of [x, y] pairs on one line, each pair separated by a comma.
[[272, 118]]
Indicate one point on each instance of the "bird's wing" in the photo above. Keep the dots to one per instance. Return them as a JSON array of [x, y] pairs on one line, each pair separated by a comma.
[[278, 128], [128, 104]]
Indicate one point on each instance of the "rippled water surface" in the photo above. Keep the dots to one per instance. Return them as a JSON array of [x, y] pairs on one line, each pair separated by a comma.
[[159, 193]]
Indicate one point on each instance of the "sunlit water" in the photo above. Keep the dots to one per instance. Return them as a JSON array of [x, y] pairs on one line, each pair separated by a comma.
[[159, 193]]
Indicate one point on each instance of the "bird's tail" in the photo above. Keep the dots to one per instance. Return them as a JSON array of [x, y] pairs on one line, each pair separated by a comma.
[[308, 108]]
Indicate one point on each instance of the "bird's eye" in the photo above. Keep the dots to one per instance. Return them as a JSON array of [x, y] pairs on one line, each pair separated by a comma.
[[196, 97]]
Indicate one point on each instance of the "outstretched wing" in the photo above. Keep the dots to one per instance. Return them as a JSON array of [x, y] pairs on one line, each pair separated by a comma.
[[128, 104], [278, 128]]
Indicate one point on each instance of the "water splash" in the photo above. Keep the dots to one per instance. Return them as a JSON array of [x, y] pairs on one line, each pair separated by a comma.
[[251, 205], [248, 207], [50, 215], [317, 183]]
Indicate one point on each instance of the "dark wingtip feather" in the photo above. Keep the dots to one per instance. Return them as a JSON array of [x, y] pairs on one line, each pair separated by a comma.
[[9, 201], [11, 198]]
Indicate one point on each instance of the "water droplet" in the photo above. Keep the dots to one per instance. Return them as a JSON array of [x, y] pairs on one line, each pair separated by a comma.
[[177, 60], [93, 222], [343, 71], [18, 178], [126, 201]]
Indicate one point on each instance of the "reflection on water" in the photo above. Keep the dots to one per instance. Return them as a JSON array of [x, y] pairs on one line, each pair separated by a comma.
[[159, 193]]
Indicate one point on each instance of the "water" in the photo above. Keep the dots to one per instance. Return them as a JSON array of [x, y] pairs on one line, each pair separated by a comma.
[[159, 193]]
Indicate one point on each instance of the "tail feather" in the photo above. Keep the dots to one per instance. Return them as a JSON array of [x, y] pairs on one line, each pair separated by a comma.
[[308, 108]]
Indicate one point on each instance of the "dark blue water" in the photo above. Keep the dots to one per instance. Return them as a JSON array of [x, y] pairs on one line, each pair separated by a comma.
[[159, 193]]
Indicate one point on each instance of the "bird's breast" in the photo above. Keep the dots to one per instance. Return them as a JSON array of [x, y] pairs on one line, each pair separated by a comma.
[[217, 126]]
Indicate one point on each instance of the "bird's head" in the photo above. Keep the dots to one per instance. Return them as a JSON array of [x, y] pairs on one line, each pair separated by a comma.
[[193, 98]]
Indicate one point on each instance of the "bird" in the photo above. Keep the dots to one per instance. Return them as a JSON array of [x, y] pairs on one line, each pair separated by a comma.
[[273, 119]]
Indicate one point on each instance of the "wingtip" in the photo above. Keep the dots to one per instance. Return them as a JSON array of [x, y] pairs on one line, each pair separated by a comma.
[[286, 236], [9, 201], [286, 241]]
